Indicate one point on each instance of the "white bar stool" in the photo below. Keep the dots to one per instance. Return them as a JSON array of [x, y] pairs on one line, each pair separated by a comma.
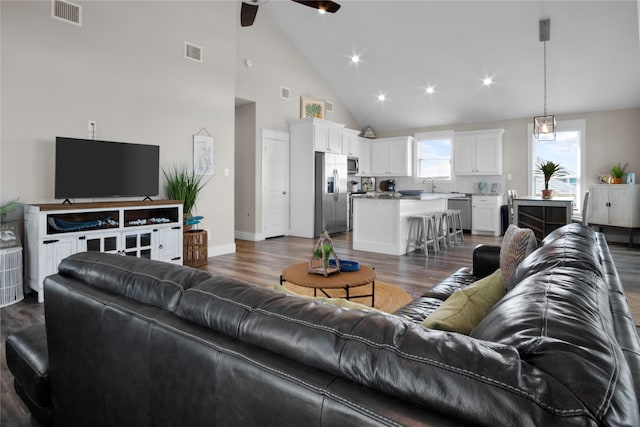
[[441, 227], [454, 226], [415, 240]]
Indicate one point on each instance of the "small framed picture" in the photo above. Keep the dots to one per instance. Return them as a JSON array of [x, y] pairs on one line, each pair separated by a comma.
[[495, 187], [310, 107]]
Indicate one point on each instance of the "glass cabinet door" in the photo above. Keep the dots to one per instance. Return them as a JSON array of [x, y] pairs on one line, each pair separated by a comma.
[[138, 244], [107, 242]]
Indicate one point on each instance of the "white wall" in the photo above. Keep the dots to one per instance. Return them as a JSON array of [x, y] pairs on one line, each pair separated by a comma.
[[125, 68], [276, 63]]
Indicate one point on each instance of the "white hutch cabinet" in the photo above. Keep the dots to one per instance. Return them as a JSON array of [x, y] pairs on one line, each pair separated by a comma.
[[615, 205], [151, 230], [478, 152]]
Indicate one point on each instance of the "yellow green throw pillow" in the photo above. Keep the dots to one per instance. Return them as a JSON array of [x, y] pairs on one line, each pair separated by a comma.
[[466, 307], [340, 302]]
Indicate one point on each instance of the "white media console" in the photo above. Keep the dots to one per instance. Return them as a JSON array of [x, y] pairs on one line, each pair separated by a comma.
[[145, 229]]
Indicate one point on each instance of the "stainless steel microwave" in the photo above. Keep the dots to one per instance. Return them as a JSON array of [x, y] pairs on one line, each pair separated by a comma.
[[352, 165]]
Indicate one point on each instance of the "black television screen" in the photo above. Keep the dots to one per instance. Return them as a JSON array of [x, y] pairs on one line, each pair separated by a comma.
[[90, 168]]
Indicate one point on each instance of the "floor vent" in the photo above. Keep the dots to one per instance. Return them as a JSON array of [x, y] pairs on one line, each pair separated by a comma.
[[193, 52], [285, 93], [328, 106], [66, 11]]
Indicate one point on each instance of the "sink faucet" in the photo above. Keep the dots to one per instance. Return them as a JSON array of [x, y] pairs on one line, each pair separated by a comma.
[[433, 184]]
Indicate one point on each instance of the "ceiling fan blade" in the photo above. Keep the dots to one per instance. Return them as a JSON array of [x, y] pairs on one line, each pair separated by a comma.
[[328, 6], [248, 14]]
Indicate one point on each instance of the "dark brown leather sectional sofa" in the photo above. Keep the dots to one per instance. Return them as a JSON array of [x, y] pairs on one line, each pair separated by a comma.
[[140, 343]]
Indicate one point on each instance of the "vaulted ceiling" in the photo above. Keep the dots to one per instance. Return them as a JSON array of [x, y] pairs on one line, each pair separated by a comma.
[[593, 57]]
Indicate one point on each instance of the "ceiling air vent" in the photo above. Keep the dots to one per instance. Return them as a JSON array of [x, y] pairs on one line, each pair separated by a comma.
[[285, 93], [193, 52], [328, 106], [66, 11]]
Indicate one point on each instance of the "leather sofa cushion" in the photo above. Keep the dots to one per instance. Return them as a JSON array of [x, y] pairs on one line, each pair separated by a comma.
[[157, 283], [458, 280], [28, 361], [558, 318], [435, 369]]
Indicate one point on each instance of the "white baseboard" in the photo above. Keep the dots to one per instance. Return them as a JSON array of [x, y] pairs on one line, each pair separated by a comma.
[[245, 235], [221, 250]]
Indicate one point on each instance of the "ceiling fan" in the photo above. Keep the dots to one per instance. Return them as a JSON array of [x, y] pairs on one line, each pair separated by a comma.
[[249, 8]]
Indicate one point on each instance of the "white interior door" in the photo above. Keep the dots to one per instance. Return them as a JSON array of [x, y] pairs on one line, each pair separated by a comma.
[[275, 183]]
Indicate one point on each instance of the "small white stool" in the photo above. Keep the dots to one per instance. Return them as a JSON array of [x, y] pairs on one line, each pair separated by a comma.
[[454, 226], [441, 227]]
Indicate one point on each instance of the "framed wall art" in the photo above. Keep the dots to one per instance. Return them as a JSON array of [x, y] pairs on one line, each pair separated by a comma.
[[203, 155], [310, 107]]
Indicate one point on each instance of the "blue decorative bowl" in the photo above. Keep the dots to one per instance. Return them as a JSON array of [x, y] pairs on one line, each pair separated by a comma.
[[346, 265]]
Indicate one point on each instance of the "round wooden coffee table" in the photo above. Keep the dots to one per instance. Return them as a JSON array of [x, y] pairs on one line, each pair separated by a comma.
[[297, 274]]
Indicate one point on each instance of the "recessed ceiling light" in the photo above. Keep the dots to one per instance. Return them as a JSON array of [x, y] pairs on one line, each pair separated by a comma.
[[321, 11], [355, 59], [381, 97], [430, 90], [487, 81]]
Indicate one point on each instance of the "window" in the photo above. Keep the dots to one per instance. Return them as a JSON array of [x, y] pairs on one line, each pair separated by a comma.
[[433, 155], [568, 150]]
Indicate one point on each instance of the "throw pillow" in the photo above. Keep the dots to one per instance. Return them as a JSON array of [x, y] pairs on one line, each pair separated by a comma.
[[517, 244], [340, 302], [466, 307]]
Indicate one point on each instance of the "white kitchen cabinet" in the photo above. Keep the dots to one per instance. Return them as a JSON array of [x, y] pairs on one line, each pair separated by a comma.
[[364, 158], [391, 156], [327, 136], [614, 205], [150, 229], [485, 214], [478, 152], [350, 142]]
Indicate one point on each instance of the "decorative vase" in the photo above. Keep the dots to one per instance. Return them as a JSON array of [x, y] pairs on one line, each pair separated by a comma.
[[186, 227], [546, 194], [617, 180]]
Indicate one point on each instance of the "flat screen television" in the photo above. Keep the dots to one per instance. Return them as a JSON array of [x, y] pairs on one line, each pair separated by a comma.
[[90, 168]]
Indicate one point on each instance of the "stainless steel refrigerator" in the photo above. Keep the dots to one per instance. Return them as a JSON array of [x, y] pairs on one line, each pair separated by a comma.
[[331, 210]]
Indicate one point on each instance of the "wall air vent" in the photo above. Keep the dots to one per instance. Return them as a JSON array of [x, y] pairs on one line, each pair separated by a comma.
[[193, 52], [328, 106], [66, 11], [285, 93]]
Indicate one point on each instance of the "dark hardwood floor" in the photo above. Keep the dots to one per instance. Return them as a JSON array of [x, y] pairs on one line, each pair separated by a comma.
[[261, 263]]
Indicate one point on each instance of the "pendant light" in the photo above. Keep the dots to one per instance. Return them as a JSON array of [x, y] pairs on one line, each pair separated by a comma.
[[544, 127]]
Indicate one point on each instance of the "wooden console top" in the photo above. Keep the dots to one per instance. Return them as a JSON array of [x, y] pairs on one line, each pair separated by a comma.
[[101, 205]]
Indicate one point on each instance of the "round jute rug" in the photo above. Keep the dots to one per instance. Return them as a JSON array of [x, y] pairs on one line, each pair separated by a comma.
[[388, 298]]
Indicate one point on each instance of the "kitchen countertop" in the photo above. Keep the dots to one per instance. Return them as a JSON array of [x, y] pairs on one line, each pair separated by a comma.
[[398, 196]]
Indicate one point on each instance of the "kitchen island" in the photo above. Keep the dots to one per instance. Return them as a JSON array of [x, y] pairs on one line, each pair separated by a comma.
[[380, 223]]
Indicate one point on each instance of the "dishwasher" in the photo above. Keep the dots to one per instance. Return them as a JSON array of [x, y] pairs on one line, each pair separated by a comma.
[[463, 204]]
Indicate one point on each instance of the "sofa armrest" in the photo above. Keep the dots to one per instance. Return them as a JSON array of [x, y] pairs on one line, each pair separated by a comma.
[[486, 260]]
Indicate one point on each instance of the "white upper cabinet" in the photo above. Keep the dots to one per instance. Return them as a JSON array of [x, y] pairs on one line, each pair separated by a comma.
[[327, 136], [350, 143], [364, 158], [391, 156], [478, 152]]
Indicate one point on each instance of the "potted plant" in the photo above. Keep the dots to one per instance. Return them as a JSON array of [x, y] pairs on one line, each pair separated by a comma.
[[617, 172], [549, 169], [184, 184], [7, 208]]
